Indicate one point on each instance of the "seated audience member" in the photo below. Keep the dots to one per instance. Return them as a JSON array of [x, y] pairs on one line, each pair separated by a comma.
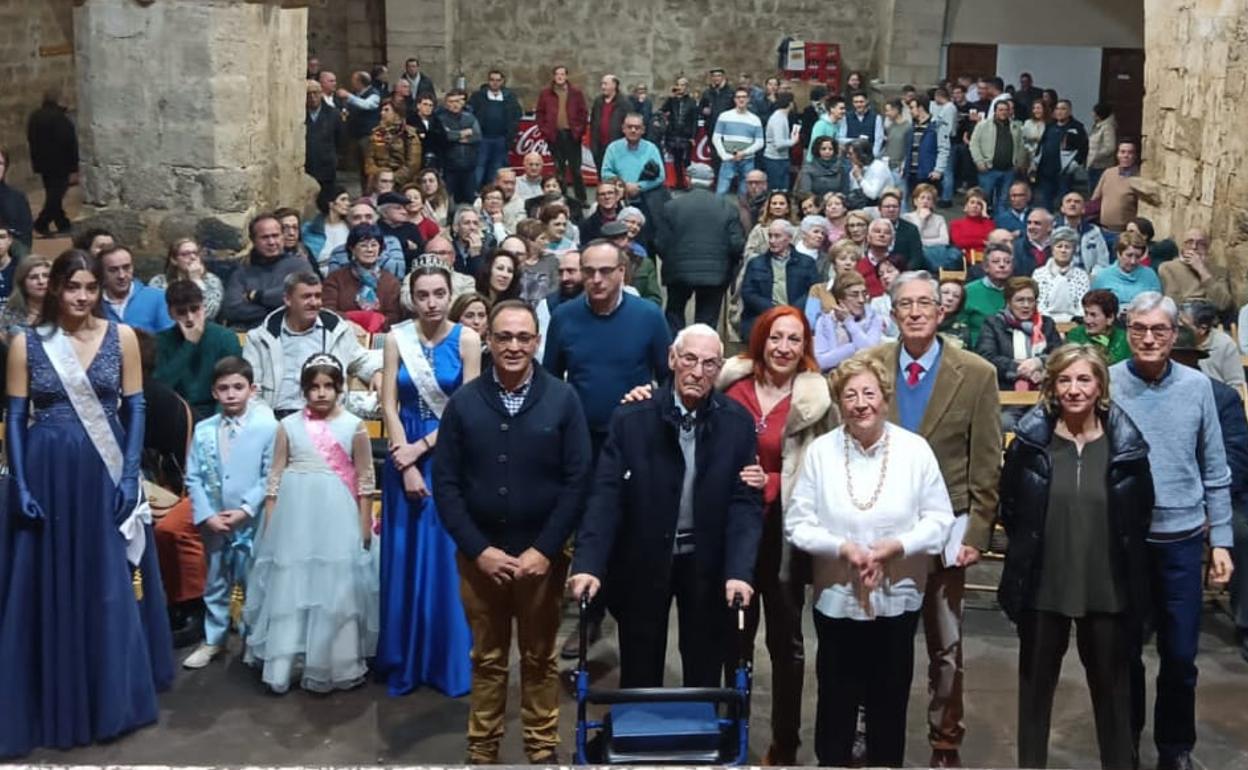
[[906, 239], [362, 292], [879, 249], [933, 230], [1091, 252], [187, 352], [850, 326], [291, 222], [1127, 277], [471, 310], [842, 259], [1194, 276], [1159, 252], [328, 229], [256, 287], [825, 172], [554, 191], [971, 231], [472, 243], [1061, 284], [1118, 199], [777, 206], [952, 300], [887, 271], [9, 259], [571, 285], [1013, 217], [812, 234], [868, 175], [437, 196], [1223, 362], [492, 200], [986, 296], [555, 219], [1033, 248], [1017, 340], [185, 262], [1100, 326], [393, 257], [93, 240], [125, 299], [395, 227], [499, 277], [418, 214], [782, 276], [30, 286]]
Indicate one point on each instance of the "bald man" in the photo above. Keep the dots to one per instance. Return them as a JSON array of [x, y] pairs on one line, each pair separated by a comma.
[[530, 185]]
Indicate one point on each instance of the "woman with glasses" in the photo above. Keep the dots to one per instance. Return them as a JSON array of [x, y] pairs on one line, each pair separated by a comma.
[[851, 326], [1018, 340], [184, 263]]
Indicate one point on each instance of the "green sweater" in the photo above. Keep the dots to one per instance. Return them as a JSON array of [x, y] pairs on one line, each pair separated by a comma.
[[982, 300], [187, 367], [1114, 345]]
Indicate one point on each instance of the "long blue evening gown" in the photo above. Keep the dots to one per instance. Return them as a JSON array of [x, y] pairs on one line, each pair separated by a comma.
[[81, 659], [424, 633]]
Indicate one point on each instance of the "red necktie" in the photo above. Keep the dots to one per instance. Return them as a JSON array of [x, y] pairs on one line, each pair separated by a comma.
[[913, 370]]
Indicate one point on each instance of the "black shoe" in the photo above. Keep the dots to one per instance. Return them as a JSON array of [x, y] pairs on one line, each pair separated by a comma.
[[1178, 762], [42, 231], [571, 649], [64, 226]]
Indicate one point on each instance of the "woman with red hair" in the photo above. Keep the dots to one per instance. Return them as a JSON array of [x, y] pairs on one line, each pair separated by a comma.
[[779, 384]]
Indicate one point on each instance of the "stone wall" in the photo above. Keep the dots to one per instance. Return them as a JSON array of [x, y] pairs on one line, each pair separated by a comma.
[[347, 34], [209, 127], [641, 41], [36, 54], [1195, 110]]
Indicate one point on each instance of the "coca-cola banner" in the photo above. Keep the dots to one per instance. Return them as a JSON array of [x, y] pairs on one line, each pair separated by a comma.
[[529, 139]]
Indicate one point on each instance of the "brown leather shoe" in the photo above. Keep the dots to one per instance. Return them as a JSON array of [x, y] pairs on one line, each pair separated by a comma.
[[776, 757], [945, 758]]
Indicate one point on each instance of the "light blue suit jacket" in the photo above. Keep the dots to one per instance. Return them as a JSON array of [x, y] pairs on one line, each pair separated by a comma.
[[215, 486]]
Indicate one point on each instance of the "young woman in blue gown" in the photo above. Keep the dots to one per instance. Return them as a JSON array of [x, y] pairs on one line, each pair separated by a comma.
[[84, 638], [424, 632]]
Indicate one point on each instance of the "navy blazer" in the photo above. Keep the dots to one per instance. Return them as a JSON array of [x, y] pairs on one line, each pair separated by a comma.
[[800, 274]]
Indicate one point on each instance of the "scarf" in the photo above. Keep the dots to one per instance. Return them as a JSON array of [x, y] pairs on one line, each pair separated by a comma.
[[366, 297], [1032, 328]]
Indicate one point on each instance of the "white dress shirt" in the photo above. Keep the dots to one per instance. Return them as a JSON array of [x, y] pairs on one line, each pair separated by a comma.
[[913, 507]]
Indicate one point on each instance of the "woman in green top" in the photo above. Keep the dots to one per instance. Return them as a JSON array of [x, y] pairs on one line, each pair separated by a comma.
[[1100, 327]]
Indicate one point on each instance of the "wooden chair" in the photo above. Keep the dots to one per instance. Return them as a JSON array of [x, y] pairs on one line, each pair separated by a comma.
[[952, 275], [1018, 397]]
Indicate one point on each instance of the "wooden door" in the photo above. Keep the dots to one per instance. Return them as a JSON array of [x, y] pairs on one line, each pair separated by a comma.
[[974, 59], [1122, 86]]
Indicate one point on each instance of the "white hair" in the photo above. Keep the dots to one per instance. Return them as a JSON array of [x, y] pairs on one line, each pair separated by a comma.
[[811, 221], [632, 212], [783, 224], [911, 276], [1148, 301], [696, 330]]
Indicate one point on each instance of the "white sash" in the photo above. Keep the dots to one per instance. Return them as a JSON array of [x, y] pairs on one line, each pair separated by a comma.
[[405, 337], [95, 423]]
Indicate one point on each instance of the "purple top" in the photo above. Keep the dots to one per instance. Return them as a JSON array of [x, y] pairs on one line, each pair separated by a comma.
[[836, 340]]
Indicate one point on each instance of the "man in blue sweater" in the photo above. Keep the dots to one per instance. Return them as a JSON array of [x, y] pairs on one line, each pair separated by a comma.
[[128, 300], [1174, 408], [510, 518], [497, 110]]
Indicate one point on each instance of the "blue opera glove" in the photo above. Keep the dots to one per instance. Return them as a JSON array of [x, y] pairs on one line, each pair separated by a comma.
[[133, 413], [25, 507]]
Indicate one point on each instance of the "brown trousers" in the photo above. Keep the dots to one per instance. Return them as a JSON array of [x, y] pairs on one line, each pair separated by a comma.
[[942, 625], [534, 605], [183, 569]]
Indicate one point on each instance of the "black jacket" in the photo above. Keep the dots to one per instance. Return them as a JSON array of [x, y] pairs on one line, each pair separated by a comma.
[[1025, 480], [322, 137], [700, 238], [714, 102], [501, 118], [627, 535], [433, 141], [1234, 434], [622, 107], [512, 482], [996, 343], [53, 141], [682, 117]]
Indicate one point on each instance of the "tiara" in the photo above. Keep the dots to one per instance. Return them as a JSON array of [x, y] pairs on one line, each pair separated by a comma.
[[430, 261], [322, 359]]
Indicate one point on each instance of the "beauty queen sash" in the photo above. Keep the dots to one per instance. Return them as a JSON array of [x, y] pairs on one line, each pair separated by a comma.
[[95, 422], [331, 451], [405, 336]]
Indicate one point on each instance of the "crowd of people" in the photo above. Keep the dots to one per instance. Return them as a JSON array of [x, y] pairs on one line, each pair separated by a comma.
[[492, 321]]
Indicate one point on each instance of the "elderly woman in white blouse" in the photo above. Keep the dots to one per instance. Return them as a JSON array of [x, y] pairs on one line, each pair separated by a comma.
[[870, 507]]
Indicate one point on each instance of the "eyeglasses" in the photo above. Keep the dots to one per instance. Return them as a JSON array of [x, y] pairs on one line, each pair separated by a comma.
[[923, 303], [710, 366], [1159, 332], [603, 272], [505, 339], [856, 294]]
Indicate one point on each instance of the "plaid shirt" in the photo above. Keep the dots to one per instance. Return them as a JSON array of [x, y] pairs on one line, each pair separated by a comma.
[[513, 399]]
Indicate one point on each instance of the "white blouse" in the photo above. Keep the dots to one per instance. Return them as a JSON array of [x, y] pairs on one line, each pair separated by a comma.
[[913, 507]]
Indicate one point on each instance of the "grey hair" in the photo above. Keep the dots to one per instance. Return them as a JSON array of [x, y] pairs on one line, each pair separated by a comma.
[[911, 276], [696, 330], [783, 224], [462, 212], [1148, 301], [299, 278], [1065, 234], [888, 222], [634, 212], [811, 221], [1048, 215]]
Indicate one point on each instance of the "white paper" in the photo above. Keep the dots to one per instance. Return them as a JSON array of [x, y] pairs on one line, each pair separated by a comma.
[[953, 543]]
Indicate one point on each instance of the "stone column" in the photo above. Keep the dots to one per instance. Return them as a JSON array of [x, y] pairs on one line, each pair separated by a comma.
[[911, 36], [1195, 110], [190, 114], [424, 29]]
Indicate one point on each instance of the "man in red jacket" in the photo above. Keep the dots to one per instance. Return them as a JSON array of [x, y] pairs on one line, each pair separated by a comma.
[[562, 117]]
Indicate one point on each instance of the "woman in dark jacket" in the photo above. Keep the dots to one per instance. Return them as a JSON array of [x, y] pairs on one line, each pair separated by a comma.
[[1076, 498], [1018, 340], [825, 173]]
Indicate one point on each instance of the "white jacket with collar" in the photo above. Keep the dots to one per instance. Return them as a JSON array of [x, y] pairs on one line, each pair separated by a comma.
[[263, 350]]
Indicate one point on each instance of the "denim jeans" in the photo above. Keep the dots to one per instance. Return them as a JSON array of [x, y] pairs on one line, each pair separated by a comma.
[[777, 173], [491, 155], [996, 185], [732, 174]]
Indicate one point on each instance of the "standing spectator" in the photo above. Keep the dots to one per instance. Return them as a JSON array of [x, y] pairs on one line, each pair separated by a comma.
[[510, 545], [1222, 360], [54, 157], [782, 276], [322, 136], [998, 152], [1175, 410], [187, 353], [606, 120], [634, 160], [1025, 95], [700, 239], [1119, 201], [363, 110], [1100, 326], [184, 262], [14, 206], [692, 536], [1192, 276], [257, 288], [717, 98], [1102, 142], [562, 118], [862, 122], [128, 300], [639, 102], [432, 133], [781, 135], [393, 146], [737, 137], [898, 518], [497, 110], [928, 152], [329, 90], [1018, 340], [463, 133], [419, 82], [1033, 133], [947, 112], [1061, 284], [1076, 496], [828, 122], [1063, 150], [948, 396], [682, 125]]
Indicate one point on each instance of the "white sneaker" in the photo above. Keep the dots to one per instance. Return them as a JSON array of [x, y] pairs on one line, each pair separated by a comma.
[[202, 656]]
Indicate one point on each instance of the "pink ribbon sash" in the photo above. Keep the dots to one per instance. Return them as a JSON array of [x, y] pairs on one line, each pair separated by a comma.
[[331, 451]]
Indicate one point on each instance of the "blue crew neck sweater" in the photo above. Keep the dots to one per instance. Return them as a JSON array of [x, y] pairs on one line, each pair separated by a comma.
[[1179, 418], [605, 356]]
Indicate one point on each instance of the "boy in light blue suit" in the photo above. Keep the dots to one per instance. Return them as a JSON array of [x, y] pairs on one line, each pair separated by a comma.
[[226, 474]]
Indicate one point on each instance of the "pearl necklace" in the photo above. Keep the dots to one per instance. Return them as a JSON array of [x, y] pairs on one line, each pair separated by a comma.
[[879, 483]]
